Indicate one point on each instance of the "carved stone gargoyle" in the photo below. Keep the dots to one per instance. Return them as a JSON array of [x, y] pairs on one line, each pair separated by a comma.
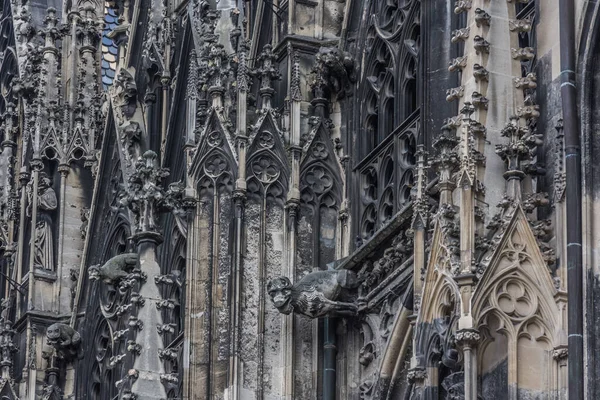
[[334, 70], [318, 294], [118, 270], [65, 340]]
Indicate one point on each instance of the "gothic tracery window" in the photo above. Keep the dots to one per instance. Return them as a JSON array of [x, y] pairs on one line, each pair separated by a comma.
[[388, 117]]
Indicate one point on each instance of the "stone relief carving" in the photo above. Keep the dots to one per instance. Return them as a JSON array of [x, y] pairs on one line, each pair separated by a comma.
[[318, 294], [43, 234]]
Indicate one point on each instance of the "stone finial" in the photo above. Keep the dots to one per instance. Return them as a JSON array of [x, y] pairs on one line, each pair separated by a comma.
[[242, 70], [266, 73], [446, 159], [145, 195], [295, 93]]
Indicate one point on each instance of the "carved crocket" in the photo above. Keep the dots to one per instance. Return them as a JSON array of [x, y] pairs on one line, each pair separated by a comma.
[[316, 295], [65, 340]]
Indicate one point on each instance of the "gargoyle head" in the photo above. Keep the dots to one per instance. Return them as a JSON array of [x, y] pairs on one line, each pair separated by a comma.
[[280, 290], [53, 334], [94, 272]]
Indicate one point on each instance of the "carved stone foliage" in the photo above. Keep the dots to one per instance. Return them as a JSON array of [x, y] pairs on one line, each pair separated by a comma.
[[391, 37], [386, 181], [373, 272]]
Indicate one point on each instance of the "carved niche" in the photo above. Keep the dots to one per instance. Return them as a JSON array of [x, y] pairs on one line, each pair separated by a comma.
[[43, 234]]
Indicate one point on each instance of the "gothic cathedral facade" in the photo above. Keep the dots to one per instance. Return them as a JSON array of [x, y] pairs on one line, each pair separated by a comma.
[[299, 199]]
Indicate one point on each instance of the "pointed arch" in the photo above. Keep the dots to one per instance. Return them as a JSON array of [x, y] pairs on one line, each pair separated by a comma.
[[518, 258], [321, 181], [515, 308], [214, 163], [441, 295], [266, 166]]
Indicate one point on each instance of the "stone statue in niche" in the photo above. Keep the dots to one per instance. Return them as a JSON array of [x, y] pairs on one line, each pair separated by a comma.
[[318, 294], [43, 256], [65, 340]]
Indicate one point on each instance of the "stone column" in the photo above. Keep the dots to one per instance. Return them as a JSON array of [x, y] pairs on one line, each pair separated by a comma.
[[148, 364], [64, 174], [468, 339], [145, 198]]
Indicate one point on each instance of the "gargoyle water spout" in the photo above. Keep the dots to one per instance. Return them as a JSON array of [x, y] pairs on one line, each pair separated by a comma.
[[318, 294]]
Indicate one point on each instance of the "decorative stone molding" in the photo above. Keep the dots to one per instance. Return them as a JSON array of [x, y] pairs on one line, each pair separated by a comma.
[[467, 338]]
